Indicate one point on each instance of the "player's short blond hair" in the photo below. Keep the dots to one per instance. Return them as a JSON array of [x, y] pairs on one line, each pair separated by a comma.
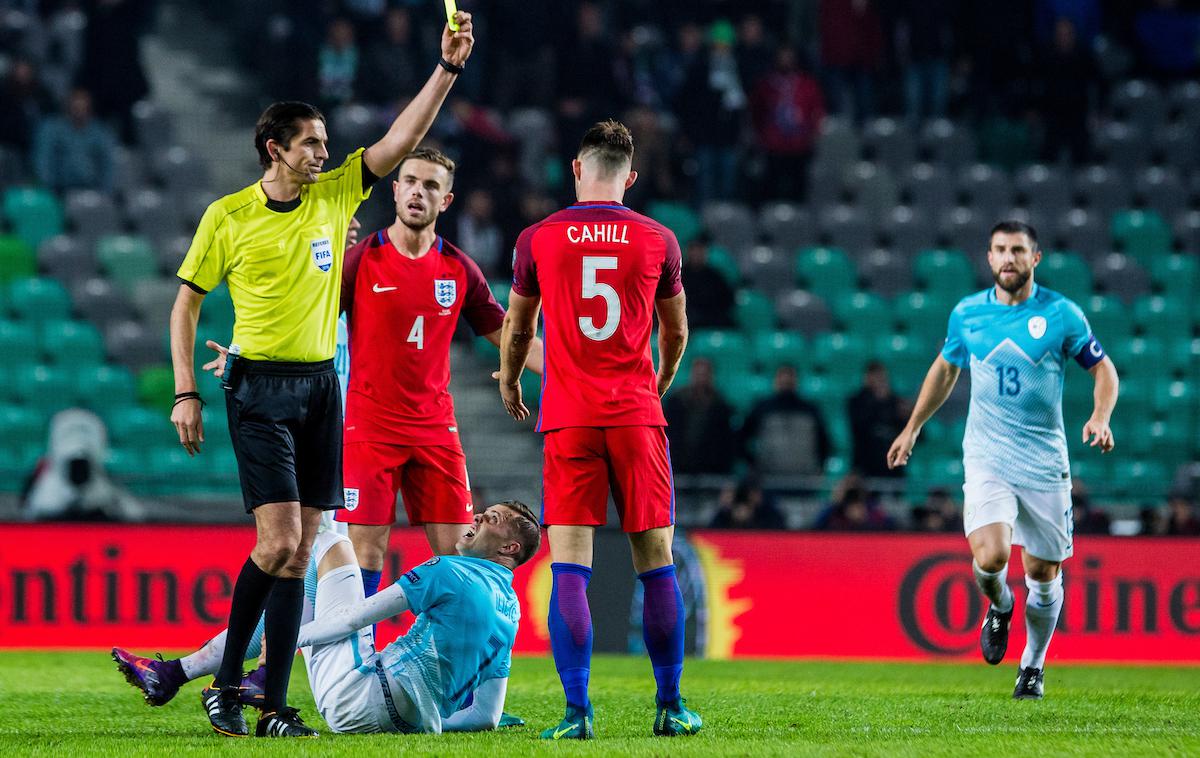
[[430, 155], [610, 143]]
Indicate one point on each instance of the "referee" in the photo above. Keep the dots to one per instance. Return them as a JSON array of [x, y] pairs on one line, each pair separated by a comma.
[[279, 245]]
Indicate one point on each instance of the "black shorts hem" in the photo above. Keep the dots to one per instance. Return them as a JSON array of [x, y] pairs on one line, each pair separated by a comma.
[[252, 504]]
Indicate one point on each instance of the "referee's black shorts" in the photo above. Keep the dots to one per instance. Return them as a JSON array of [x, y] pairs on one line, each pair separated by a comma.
[[285, 420]]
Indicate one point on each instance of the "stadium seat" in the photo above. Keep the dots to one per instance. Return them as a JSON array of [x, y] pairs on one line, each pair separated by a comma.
[[837, 353], [889, 141], [179, 169], [1121, 275], [774, 349], [1082, 230], [1005, 142], [66, 258], [907, 229], [1141, 234], [787, 225], [33, 214], [1184, 97], [1141, 479], [824, 389], [154, 299], [929, 187], [964, 228], [37, 300], [127, 259], [133, 426], [886, 272], [71, 343], [134, 345], [21, 426], [1125, 146], [1139, 101], [873, 187], [1161, 317], [754, 312], [768, 269], [1176, 399], [730, 225], [923, 316], [838, 145], [825, 270], [847, 227], [101, 302], [1066, 272], [217, 314], [677, 217], [1137, 357], [1105, 190], [16, 259], [860, 312], [743, 389], [1161, 189], [944, 272], [156, 387], [720, 259], [92, 214], [151, 124], [500, 290], [727, 350], [945, 143], [803, 311], [1044, 187], [907, 359], [19, 342], [46, 389], [1108, 317], [99, 387], [153, 215], [1177, 277], [1164, 440]]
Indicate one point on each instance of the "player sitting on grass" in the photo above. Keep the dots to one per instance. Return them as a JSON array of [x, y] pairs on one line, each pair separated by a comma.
[[448, 673]]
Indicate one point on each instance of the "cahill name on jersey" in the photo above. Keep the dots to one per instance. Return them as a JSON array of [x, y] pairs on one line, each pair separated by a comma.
[[1017, 355]]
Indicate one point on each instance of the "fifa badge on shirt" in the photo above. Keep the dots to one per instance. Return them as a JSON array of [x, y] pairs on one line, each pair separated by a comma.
[[322, 253], [445, 291], [1037, 327], [351, 497]]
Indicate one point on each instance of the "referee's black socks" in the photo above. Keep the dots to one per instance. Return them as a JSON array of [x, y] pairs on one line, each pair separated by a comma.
[[285, 606], [249, 598]]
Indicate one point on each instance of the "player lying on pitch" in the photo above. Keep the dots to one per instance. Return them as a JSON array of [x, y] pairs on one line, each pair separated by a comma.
[[448, 673]]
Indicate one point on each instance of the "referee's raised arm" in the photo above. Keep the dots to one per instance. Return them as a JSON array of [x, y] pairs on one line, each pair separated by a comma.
[[414, 121]]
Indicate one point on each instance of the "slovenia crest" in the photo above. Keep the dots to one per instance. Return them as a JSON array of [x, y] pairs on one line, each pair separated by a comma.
[[445, 292], [1037, 327]]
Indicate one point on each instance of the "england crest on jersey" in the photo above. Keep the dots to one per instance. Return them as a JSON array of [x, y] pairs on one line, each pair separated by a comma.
[[445, 291]]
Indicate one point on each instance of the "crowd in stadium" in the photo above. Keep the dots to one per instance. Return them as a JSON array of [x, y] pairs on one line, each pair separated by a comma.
[[730, 104]]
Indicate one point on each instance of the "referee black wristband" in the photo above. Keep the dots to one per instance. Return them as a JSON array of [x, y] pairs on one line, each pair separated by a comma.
[[181, 396], [456, 70]]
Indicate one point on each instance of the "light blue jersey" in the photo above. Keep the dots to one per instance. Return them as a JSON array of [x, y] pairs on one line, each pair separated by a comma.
[[467, 616], [1016, 355], [341, 356]]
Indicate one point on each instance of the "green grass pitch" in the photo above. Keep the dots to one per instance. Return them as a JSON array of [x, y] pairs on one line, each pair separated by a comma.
[[76, 704]]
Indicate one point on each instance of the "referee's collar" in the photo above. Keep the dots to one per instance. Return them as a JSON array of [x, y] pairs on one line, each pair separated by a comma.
[[279, 206]]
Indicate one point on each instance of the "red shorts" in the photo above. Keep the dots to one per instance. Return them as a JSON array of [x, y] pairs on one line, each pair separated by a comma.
[[432, 480], [583, 463]]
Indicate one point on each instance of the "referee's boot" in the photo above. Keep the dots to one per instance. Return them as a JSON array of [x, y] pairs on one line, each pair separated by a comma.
[[224, 708], [577, 724], [285, 722], [993, 636], [1030, 685]]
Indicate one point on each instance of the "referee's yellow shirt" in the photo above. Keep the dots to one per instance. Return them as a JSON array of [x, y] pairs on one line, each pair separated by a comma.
[[284, 269]]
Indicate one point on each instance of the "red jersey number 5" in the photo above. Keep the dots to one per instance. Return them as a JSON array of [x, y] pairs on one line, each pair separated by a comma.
[[593, 288]]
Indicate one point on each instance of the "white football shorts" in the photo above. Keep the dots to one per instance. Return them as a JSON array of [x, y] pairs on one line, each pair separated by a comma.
[[1041, 521]]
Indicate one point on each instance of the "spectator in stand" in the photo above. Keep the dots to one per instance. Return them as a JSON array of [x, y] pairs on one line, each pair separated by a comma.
[[853, 508], [112, 67], [710, 104], [1152, 523], [784, 433], [939, 513], [75, 150], [478, 233], [652, 160], [390, 64], [1085, 17], [66, 28], [755, 56], [642, 70], [923, 36], [1182, 520], [710, 296], [26, 102], [586, 82], [1087, 520], [699, 425], [1068, 74], [852, 53], [877, 415], [998, 39], [787, 109], [337, 65], [746, 506]]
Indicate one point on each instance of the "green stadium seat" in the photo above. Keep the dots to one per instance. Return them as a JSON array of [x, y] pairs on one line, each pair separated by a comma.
[[500, 290], [677, 217], [825, 270], [16, 259], [907, 360], [17, 462], [127, 259], [824, 389], [18, 341], [774, 349], [38, 300], [137, 427], [743, 389], [754, 312], [1143, 479], [217, 314], [1142, 234], [46, 389], [728, 351], [1175, 398], [1137, 357], [1182, 356], [33, 214], [1178, 278], [1067, 273], [1161, 317], [1109, 318], [923, 316], [1005, 143], [128, 466], [838, 426], [100, 387], [944, 272], [841, 353], [21, 426], [861, 312], [156, 388], [721, 259], [72, 343], [1164, 439]]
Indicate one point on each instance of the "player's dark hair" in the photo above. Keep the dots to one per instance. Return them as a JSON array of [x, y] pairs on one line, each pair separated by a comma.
[[611, 143], [281, 122], [526, 529], [430, 155], [1015, 227]]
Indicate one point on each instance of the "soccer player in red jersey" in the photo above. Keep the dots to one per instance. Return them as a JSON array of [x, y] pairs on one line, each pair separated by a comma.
[[404, 288], [599, 272]]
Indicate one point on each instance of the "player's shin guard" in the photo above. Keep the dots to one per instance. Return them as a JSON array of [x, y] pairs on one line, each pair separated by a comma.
[[570, 624], [662, 628], [994, 586], [1042, 607], [284, 609]]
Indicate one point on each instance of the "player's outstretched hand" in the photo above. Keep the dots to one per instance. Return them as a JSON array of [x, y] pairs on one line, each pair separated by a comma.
[[456, 46], [1096, 433], [901, 449], [216, 365], [511, 395]]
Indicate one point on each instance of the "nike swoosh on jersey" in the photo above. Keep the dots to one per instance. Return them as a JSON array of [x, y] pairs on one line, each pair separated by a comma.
[[377, 288]]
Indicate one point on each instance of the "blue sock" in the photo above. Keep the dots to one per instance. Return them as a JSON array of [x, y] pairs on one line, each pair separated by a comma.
[[570, 624], [662, 628], [370, 581]]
